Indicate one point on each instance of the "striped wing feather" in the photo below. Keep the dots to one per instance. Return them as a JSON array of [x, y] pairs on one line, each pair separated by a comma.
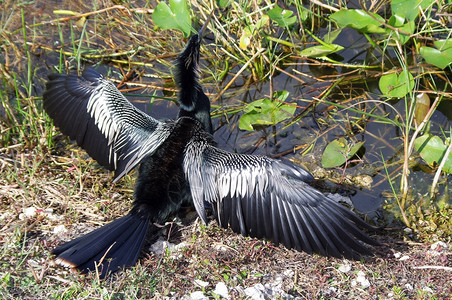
[[92, 111], [265, 198]]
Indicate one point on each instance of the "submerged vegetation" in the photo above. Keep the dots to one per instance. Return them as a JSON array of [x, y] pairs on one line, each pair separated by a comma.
[[359, 92]]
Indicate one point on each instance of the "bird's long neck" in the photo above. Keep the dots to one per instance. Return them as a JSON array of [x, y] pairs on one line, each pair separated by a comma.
[[187, 74], [193, 102]]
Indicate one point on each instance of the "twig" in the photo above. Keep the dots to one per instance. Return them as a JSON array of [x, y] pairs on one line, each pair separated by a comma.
[[58, 278], [319, 3], [435, 268]]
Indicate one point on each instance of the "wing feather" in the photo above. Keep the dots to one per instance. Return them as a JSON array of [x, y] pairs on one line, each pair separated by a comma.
[[92, 111], [262, 197]]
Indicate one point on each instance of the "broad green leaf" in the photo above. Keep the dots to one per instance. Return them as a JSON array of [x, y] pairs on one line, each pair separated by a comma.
[[399, 23], [432, 149], [174, 16], [409, 9], [443, 44], [396, 85], [438, 58], [283, 17], [426, 3], [359, 19], [266, 112], [338, 151], [321, 50], [281, 95], [255, 115]]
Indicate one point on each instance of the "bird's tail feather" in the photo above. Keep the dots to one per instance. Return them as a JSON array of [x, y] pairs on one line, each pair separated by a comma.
[[109, 248]]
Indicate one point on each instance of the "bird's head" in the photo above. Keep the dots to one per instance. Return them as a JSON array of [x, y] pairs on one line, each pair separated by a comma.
[[188, 59]]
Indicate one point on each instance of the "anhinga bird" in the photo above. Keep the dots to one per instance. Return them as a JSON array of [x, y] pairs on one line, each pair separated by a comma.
[[92, 111], [255, 195]]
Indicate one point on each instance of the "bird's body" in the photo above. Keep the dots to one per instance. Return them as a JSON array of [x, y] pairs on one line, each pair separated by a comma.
[[91, 110], [255, 195]]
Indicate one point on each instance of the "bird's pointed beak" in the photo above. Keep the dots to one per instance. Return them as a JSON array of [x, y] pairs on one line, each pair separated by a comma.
[[201, 31]]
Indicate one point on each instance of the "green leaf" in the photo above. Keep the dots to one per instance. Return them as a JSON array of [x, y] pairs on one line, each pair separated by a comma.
[[396, 85], [432, 149], [398, 22], [438, 58], [174, 16], [443, 44], [359, 19], [304, 13], [281, 16], [338, 151], [222, 4], [266, 112], [409, 9], [321, 50], [262, 22]]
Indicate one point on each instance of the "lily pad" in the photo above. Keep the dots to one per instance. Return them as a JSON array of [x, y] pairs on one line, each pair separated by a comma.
[[266, 112], [338, 151], [396, 85], [432, 149], [174, 16], [359, 19], [443, 44], [409, 9], [283, 17], [439, 58]]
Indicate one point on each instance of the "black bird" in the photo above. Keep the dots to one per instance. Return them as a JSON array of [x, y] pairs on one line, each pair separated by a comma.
[[255, 195]]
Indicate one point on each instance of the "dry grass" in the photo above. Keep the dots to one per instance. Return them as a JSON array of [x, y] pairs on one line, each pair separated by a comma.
[[209, 254]]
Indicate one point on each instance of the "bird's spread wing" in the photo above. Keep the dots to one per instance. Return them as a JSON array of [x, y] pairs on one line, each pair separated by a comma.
[[266, 198], [92, 111]]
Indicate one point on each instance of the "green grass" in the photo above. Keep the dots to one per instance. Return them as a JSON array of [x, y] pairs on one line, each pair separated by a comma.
[[41, 169]]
